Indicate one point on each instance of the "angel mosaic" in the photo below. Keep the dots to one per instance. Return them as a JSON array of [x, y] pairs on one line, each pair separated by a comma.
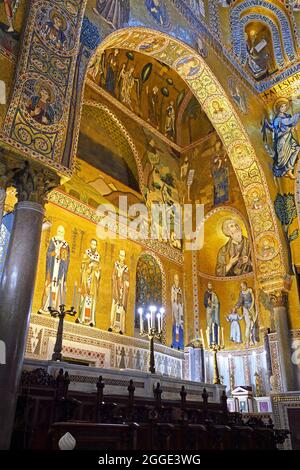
[[286, 147]]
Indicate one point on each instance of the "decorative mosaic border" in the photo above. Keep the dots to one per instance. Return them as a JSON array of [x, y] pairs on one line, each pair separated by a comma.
[[280, 404], [37, 141], [81, 209]]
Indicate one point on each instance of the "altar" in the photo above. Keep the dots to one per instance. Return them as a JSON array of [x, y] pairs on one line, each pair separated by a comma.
[[89, 353]]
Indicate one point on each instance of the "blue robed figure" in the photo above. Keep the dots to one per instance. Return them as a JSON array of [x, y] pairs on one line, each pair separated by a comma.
[[286, 147], [158, 10]]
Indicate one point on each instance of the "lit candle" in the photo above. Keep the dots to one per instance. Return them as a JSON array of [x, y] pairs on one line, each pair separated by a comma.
[[213, 333], [159, 322], [162, 311], [50, 295], [219, 336], [140, 311], [223, 344], [202, 338], [207, 337], [148, 318], [152, 311], [74, 295]]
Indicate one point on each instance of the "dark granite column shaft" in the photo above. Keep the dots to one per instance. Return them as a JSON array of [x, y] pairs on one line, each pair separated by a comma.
[[2, 201], [16, 291]]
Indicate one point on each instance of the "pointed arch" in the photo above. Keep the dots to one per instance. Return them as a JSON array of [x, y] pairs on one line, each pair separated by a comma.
[[193, 69]]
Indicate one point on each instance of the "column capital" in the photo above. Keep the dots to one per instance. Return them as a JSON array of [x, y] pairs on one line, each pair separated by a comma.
[[34, 184], [279, 298]]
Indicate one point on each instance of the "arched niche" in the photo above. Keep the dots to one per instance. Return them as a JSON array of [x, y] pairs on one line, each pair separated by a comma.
[[148, 287]]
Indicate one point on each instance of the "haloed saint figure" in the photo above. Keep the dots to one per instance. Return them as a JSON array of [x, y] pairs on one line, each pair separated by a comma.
[[177, 314], [120, 291], [57, 265]]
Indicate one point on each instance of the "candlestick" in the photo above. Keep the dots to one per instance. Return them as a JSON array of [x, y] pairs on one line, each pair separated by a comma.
[[154, 332]]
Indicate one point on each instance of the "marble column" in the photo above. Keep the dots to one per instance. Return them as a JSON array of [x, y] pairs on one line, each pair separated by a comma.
[[2, 201], [280, 305], [16, 288]]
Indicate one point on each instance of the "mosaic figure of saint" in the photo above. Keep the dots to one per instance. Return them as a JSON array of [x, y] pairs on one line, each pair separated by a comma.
[[177, 314], [127, 84], [285, 146], [246, 302], [257, 57], [170, 123], [40, 104], [57, 265], [89, 285], [234, 258], [120, 291], [153, 106], [212, 308], [114, 12], [54, 30], [112, 72], [220, 174]]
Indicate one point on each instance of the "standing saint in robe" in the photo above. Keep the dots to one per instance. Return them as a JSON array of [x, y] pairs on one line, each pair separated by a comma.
[[170, 123], [112, 72], [177, 314], [89, 285], [127, 84], [247, 303], [120, 290], [153, 104], [212, 307], [234, 258], [220, 174], [57, 265]]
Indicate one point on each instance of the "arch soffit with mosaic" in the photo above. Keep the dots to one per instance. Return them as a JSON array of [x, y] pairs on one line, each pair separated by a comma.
[[193, 69], [127, 137]]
